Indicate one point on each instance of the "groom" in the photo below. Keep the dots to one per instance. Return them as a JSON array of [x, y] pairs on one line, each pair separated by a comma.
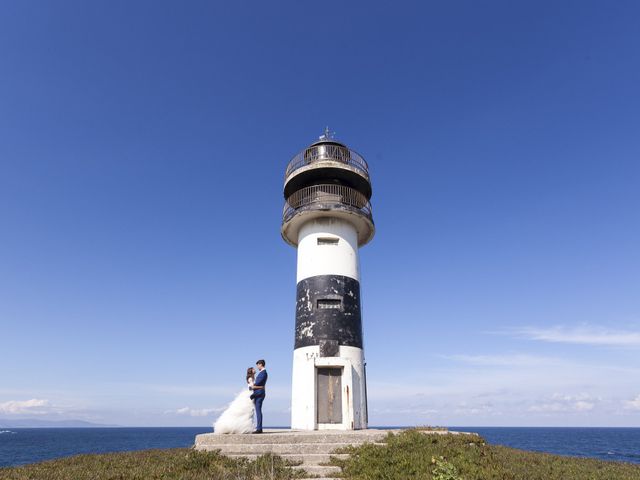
[[259, 393]]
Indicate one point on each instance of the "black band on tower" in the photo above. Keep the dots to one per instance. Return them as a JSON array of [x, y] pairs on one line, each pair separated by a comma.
[[328, 309]]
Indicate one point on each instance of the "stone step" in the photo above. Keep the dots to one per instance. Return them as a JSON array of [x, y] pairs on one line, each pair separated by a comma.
[[276, 448], [303, 459], [320, 470], [291, 437]]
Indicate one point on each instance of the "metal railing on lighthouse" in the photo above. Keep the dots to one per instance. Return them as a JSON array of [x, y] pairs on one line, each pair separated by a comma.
[[326, 197], [328, 153]]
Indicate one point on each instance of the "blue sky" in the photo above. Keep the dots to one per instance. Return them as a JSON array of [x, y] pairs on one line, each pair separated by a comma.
[[142, 149]]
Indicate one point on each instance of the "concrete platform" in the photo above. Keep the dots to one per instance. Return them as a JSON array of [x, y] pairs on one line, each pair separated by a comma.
[[274, 436], [309, 449]]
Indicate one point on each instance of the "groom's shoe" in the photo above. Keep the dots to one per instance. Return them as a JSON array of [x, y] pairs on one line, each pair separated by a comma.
[[257, 431]]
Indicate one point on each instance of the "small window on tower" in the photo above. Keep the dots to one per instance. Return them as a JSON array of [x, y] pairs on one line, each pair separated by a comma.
[[328, 303], [328, 240]]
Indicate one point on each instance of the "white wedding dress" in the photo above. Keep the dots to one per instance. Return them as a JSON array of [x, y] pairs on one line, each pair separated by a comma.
[[238, 417]]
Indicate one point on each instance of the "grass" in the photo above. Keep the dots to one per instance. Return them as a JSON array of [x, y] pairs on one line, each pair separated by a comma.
[[181, 463], [408, 455], [415, 455]]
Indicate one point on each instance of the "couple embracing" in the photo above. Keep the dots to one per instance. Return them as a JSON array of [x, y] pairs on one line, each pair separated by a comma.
[[238, 417]]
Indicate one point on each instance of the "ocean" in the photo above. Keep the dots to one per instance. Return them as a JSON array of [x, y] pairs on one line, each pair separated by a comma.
[[28, 445], [619, 444]]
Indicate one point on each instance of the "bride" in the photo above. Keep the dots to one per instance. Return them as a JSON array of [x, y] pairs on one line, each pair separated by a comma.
[[238, 417]]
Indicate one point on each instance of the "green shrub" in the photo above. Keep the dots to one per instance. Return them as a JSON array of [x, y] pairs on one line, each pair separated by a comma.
[[444, 470], [408, 456], [174, 464]]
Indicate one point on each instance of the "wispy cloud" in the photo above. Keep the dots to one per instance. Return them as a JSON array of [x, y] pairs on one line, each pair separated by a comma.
[[585, 335], [507, 360], [565, 403], [194, 412], [34, 406], [464, 408], [410, 410], [173, 389], [633, 404]]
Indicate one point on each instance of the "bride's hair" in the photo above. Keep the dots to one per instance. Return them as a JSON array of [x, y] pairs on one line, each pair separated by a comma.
[[251, 373]]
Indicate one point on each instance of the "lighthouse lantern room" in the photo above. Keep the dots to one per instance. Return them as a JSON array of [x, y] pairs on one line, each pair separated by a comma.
[[327, 216]]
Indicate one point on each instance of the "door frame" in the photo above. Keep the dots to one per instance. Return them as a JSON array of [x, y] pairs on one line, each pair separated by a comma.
[[347, 392]]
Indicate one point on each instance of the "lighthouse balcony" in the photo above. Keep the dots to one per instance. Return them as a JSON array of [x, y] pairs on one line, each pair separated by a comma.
[[327, 200], [327, 160]]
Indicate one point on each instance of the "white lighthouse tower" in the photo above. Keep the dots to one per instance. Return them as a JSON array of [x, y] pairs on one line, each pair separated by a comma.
[[327, 216]]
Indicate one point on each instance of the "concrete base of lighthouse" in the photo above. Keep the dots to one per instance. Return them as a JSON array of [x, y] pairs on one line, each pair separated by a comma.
[[329, 393]]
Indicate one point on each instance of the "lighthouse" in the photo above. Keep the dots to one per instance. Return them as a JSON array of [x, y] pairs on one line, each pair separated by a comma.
[[327, 217]]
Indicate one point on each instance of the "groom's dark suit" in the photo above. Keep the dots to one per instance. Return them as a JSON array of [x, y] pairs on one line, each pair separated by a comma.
[[258, 396]]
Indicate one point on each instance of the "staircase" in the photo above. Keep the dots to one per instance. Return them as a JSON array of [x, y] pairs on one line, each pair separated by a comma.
[[311, 449]]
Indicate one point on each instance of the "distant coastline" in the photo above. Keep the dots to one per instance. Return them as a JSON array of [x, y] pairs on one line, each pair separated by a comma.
[[38, 423]]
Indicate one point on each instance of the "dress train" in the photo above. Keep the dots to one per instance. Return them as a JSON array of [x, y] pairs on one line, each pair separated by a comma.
[[238, 417]]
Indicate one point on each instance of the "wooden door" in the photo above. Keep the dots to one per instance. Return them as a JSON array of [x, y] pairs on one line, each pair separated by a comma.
[[329, 395]]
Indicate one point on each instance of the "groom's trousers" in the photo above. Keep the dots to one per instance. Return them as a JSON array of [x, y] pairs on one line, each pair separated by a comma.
[[259, 401]]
